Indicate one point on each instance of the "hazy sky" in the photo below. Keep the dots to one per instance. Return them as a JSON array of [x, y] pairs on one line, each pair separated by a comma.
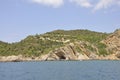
[[20, 18]]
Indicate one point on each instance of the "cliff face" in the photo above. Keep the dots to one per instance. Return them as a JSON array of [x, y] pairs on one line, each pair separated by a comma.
[[64, 53]]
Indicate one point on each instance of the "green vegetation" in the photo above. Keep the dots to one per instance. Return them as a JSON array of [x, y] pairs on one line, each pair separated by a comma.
[[83, 35], [37, 45], [102, 49]]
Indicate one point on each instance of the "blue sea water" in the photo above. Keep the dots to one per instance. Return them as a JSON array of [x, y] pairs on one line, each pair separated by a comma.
[[60, 70]]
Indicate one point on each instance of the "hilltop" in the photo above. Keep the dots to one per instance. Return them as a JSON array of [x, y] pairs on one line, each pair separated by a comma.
[[63, 45]]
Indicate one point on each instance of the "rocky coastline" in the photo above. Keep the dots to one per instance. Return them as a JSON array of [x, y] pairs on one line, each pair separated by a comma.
[[78, 50], [20, 58]]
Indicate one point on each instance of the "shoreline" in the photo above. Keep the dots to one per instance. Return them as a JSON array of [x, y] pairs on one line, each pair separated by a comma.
[[20, 58], [55, 60]]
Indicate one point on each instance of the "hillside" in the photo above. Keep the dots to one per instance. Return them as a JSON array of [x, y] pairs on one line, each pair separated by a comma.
[[61, 44]]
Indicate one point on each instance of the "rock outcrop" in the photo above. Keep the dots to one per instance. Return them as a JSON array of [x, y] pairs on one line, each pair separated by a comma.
[[14, 58], [73, 51]]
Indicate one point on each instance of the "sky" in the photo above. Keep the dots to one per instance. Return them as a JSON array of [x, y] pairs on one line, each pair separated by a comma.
[[20, 18]]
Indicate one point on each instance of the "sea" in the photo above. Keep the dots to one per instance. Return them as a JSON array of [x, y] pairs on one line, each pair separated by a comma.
[[60, 70]]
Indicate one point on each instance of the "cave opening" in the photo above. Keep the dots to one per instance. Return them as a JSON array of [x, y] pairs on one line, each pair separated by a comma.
[[61, 55]]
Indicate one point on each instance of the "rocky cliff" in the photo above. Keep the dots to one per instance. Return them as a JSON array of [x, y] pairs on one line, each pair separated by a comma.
[[72, 51], [113, 43]]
